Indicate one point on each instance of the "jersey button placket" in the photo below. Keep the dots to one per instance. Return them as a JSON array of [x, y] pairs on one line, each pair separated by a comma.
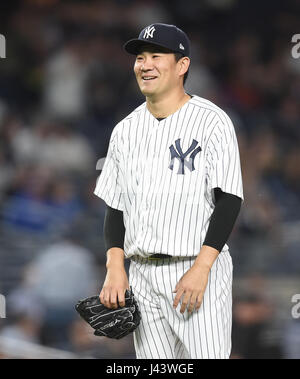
[[148, 166], [146, 180]]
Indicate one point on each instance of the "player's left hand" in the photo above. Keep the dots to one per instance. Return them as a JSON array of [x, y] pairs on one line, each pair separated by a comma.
[[191, 288]]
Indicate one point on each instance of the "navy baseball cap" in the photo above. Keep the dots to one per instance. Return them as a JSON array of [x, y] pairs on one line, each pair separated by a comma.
[[163, 35]]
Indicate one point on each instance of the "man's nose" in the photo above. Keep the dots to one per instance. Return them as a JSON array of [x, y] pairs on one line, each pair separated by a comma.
[[147, 65]]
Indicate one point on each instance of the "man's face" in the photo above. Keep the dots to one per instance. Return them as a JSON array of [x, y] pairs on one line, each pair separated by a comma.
[[156, 71]]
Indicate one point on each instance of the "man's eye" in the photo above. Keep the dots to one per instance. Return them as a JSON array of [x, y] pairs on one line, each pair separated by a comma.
[[155, 56]]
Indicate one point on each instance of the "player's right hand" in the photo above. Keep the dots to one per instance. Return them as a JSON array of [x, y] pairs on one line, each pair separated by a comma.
[[116, 283]]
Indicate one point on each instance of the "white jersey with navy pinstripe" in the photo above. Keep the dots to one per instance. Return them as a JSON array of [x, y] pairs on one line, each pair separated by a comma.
[[161, 174]]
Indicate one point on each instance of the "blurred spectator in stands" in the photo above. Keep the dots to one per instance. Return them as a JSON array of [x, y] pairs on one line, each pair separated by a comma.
[[90, 221], [54, 144], [42, 203], [200, 81], [10, 125], [65, 203], [6, 173], [62, 274], [66, 73], [25, 316], [28, 142], [242, 89], [255, 246], [252, 319], [28, 207], [285, 185], [286, 123], [255, 329]]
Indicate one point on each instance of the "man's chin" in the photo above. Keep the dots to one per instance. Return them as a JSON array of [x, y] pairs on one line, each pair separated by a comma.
[[147, 91]]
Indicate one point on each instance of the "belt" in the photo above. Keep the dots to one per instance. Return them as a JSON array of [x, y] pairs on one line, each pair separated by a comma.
[[159, 256]]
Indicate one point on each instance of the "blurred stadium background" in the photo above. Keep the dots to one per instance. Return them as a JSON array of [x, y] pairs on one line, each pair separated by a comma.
[[64, 84]]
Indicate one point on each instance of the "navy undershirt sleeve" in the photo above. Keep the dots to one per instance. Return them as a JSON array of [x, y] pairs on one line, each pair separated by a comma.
[[222, 219], [221, 223], [113, 229]]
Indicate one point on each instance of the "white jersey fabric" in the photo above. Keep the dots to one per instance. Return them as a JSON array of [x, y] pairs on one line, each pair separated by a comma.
[[161, 174]]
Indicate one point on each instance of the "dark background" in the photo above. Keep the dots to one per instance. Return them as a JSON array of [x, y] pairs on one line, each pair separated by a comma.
[[64, 84]]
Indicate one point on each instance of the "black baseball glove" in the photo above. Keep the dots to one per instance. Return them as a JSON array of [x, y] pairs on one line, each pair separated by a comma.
[[111, 323]]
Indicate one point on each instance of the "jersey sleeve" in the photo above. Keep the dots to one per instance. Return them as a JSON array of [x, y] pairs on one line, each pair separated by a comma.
[[224, 159], [109, 185]]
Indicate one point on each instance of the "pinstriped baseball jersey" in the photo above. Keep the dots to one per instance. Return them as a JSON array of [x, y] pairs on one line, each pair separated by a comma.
[[161, 174]]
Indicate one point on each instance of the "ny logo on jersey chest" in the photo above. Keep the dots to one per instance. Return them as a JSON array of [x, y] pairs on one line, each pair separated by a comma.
[[182, 157]]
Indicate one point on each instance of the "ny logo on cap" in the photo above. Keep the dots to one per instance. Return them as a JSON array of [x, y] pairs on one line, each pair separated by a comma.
[[181, 156], [149, 32]]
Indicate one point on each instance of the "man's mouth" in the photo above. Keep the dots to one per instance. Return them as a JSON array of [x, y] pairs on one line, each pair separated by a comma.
[[148, 78]]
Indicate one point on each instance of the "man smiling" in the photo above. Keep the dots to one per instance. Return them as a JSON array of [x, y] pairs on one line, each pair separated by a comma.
[[173, 188], [157, 72]]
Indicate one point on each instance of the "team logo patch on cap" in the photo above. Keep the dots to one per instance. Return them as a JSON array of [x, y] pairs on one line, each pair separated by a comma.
[[149, 32], [181, 46]]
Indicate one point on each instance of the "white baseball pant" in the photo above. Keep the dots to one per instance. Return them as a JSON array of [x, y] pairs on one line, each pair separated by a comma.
[[165, 333]]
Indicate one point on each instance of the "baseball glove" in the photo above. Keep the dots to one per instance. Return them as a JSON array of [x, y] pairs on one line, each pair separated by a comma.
[[111, 323]]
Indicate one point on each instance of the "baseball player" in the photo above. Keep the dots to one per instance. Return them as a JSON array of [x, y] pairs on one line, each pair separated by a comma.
[[173, 188]]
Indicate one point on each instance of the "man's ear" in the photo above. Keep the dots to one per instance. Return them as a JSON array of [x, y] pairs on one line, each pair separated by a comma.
[[184, 63]]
